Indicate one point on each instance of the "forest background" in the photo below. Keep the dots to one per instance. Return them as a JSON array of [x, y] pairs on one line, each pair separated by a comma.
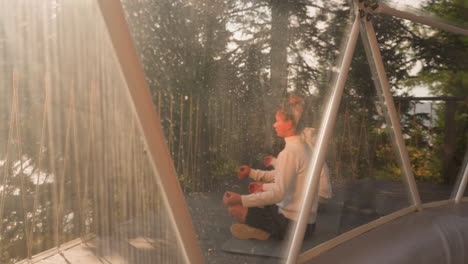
[[217, 69]]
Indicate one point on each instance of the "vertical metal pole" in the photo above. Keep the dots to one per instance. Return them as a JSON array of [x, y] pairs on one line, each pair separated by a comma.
[[449, 141], [464, 180], [150, 126], [316, 163], [382, 86]]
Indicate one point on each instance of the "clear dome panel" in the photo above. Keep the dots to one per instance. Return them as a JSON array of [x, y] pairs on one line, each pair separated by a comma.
[[218, 72], [427, 73], [75, 177], [367, 179], [447, 12]]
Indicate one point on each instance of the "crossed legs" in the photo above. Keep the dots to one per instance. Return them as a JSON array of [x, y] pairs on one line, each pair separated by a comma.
[[238, 212], [242, 230]]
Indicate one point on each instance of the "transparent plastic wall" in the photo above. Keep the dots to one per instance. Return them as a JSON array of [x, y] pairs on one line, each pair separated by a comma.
[[366, 173], [427, 72], [73, 163], [218, 71]]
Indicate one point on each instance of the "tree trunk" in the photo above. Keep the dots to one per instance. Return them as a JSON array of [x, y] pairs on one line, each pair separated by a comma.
[[279, 64], [205, 130], [279, 45]]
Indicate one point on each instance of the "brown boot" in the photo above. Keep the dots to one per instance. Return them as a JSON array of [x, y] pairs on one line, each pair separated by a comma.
[[243, 231]]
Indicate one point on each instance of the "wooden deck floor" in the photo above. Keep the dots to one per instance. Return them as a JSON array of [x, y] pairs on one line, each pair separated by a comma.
[[75, 252], [212, 223]]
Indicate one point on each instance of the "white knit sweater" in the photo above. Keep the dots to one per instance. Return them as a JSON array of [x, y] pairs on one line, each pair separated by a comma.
[[284, 185]]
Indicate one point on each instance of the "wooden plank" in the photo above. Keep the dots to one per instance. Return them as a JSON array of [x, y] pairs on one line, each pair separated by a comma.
[[150, 127], [53, 251]]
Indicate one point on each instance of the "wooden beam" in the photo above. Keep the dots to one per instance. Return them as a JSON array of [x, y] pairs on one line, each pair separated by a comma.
[[150, 127]]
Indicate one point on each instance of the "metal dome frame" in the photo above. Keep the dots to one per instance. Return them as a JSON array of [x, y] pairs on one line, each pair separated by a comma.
[[113, 15]]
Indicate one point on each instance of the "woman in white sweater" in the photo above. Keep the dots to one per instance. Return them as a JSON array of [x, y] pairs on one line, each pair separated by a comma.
[[274, 201]]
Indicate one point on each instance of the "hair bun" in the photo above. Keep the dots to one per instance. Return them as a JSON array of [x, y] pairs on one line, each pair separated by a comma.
[[294, 100], [297, 107]]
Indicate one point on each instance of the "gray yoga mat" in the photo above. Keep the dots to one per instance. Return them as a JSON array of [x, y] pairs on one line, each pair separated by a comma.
[[271, 247], [326, 228]]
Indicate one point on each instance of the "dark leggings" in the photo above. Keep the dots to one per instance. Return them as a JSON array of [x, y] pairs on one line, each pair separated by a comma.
[[270, 220]]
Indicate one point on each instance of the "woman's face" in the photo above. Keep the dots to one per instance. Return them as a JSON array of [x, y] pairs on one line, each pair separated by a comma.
[[282, 127]]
